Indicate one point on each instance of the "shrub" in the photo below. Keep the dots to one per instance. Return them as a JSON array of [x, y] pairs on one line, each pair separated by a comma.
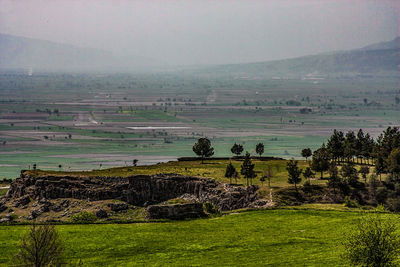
[[41, 246], [350, 203], [372, 242], [83, 217], [210, 209]]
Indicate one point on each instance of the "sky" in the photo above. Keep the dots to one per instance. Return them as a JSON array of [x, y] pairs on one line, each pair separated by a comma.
[[192, 32]]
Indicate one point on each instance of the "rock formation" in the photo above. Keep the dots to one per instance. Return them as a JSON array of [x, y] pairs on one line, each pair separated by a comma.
[[138, 190]]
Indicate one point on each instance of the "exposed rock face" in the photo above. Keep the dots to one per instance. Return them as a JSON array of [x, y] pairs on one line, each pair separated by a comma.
[[139, 190], [176, 212]]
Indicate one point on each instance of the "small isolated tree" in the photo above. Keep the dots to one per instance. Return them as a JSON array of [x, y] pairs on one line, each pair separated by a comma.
[[41, 246], [364, 171], [203, 148], [260, 149], [135, 161], [230, 171], [59, 167], [268, 174], [306, 153], [294, 173], [308, 174], [237, 149], [372, 242], [247, 168]]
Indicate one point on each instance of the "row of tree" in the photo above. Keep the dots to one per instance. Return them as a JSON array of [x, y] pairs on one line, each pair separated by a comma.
[[360, 148]]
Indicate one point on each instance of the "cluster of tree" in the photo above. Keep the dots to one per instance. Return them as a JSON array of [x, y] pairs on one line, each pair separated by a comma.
[[360, 148], [350, 146], [246, 169]]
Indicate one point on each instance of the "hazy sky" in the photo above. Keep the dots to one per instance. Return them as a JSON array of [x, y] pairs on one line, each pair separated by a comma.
[[205, 32]]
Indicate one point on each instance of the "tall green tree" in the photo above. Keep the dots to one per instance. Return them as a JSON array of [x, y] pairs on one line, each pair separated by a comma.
[[393, 162], [335, 145], [321, 160], [294, 173], [350, 145], [306, 153], [230, 171], [349, 173], [237, 149], [260, 149], [203, 148], [247, 168], [334, 180]]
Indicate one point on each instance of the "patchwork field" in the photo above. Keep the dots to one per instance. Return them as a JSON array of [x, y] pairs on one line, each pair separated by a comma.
[[53, 119]]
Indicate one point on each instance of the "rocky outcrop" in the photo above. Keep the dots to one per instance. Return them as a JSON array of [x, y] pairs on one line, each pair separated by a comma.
[[138, 190], [176, 212]]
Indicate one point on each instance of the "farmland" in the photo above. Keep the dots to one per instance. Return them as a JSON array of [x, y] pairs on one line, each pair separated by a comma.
[[80, 121]]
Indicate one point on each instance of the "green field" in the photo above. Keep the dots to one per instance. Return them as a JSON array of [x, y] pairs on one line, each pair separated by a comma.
[[281, 237]]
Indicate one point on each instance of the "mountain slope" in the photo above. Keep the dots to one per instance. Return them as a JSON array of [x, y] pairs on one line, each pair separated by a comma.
[[24, 53], [377, 59]]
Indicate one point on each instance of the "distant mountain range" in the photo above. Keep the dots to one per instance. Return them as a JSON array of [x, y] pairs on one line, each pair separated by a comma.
[[380, 59], [26, 53]]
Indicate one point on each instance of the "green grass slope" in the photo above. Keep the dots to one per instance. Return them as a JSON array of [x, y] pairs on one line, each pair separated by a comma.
[[282, 237]]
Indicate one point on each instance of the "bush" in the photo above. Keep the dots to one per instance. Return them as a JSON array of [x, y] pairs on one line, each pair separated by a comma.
[[350, 203], [373, 242], [41, 246], [393, 204], [210, 209], [83, 217]]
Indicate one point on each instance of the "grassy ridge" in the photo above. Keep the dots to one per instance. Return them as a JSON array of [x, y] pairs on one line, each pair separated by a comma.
[[280, 237]]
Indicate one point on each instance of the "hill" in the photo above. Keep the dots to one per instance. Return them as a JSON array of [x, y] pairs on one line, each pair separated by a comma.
[[26, 53], [382, 59]]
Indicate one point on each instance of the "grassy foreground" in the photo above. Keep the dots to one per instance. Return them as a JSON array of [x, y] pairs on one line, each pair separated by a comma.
[[282, 237]]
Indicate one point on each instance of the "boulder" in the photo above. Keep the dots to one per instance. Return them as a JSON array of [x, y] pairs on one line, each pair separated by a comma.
[[118, 206], [6, 219], [22, 201]]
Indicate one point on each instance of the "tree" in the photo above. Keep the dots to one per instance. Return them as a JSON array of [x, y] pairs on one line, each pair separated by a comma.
[[380, 167], [364, 171], [320, 160], [306, 152], [41, 246], [268, 174], [350, 145], [237, 149], [203, 148], [349, 173], [334, 180], [230, 171], [260, 149], [335, 145], [135, 161], [393, 162], [308, 173], [294, 173], [372, 242], [247, 168]]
